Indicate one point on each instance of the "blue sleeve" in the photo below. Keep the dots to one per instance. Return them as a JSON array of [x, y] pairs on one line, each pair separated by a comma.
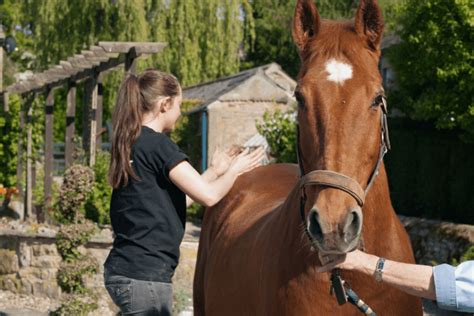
[[455, 286]]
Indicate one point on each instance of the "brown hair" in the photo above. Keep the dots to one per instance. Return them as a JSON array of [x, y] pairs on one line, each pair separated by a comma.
[[137, 96]]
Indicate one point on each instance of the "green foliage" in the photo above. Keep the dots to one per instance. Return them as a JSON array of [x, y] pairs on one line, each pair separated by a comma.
[[434, 62], [279, 128], [468, 255], [9, 131], [98, 201], [77, 305], [195, 212], [70, 237], [77, 184], [70, 274]]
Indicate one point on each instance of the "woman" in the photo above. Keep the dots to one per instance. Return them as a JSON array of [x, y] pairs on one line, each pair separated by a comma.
[[153, 183]]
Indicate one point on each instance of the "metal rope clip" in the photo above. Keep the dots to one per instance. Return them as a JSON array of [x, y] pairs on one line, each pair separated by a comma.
[[337, 287]]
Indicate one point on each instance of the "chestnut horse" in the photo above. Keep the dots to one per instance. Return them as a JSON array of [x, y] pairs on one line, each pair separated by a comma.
[[259, 246]]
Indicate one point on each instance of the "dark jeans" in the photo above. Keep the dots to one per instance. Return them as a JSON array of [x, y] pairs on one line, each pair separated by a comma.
[[137, 297]]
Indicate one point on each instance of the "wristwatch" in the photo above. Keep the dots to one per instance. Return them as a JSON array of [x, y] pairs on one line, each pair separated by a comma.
[[379, 269]]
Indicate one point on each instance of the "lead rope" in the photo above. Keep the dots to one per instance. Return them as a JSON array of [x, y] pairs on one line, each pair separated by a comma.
[[344, 293]]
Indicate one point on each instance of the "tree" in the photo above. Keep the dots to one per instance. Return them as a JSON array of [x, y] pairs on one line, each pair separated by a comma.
[[434, 63], [273, 41]]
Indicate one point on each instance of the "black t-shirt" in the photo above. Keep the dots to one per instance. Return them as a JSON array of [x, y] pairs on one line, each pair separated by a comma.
[[148, 215]]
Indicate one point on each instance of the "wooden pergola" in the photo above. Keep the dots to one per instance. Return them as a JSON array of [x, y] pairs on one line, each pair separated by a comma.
[[89, 67]]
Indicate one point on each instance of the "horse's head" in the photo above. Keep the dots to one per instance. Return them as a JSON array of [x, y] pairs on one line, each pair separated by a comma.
[[340, 96]]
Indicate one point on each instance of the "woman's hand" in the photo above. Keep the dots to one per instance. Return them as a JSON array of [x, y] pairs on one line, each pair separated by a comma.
[[247, 161], [221, 160], [355, 260]]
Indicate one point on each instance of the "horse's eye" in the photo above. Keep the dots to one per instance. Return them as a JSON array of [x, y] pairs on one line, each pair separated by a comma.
[[299, 99], [378, 101]]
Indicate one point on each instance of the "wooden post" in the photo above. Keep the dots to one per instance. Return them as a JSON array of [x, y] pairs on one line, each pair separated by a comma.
[[99, 112], [48, 147], [131, 61], [1, 59], [6, 108], [70, 127], [19, 163], [29, 178], [85, 116], [93, 122]]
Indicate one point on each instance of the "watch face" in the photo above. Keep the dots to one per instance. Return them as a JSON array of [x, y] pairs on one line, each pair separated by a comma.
[[379, 270]]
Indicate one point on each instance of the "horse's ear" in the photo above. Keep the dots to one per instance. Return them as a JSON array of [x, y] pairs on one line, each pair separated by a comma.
[[369, 22], [305, 23]]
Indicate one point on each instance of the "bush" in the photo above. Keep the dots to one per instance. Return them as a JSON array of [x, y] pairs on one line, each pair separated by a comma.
[[279, 129], [77, 184], [70, 237], [98, 202], [70, 274], [77, 305]]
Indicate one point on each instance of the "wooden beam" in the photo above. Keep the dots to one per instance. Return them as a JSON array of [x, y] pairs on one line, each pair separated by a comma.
[[77, 63], [98, 59], [70, 126], [48, 147], [89, 63], [93, 122], [29, 157], [93, 56], [86, 116], [99, 111], [6, 107], [124, 47], [19, 162]]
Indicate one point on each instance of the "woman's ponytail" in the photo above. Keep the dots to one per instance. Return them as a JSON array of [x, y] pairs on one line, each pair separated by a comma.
[[126, 126], [137, 96]]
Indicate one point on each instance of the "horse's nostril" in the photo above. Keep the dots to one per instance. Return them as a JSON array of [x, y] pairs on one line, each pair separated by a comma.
[[352, 226], [314, 226]]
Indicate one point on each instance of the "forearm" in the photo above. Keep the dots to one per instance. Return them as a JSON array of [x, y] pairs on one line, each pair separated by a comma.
[[209, 176], [222, 185], [413, 279]]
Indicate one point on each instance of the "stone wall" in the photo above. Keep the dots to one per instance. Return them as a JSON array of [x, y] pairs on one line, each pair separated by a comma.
[[29, 259], [436, 242]]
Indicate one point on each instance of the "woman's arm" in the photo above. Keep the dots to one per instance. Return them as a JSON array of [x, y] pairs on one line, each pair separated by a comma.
[[209, 192], [209, 176], [412, 278]]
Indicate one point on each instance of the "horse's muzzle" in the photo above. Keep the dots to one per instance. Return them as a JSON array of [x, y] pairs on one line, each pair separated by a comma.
[[339, 237]]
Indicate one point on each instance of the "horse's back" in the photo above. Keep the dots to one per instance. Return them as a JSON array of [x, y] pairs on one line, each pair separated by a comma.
[[244, 210]]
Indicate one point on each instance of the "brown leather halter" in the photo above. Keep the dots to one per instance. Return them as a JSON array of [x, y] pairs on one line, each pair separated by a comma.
[[340, 181]]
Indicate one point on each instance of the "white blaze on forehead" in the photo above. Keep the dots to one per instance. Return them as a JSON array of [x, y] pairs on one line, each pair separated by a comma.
[[338, 71]]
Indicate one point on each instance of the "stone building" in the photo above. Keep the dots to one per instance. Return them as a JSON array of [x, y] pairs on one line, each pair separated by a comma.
[[228, 108]]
